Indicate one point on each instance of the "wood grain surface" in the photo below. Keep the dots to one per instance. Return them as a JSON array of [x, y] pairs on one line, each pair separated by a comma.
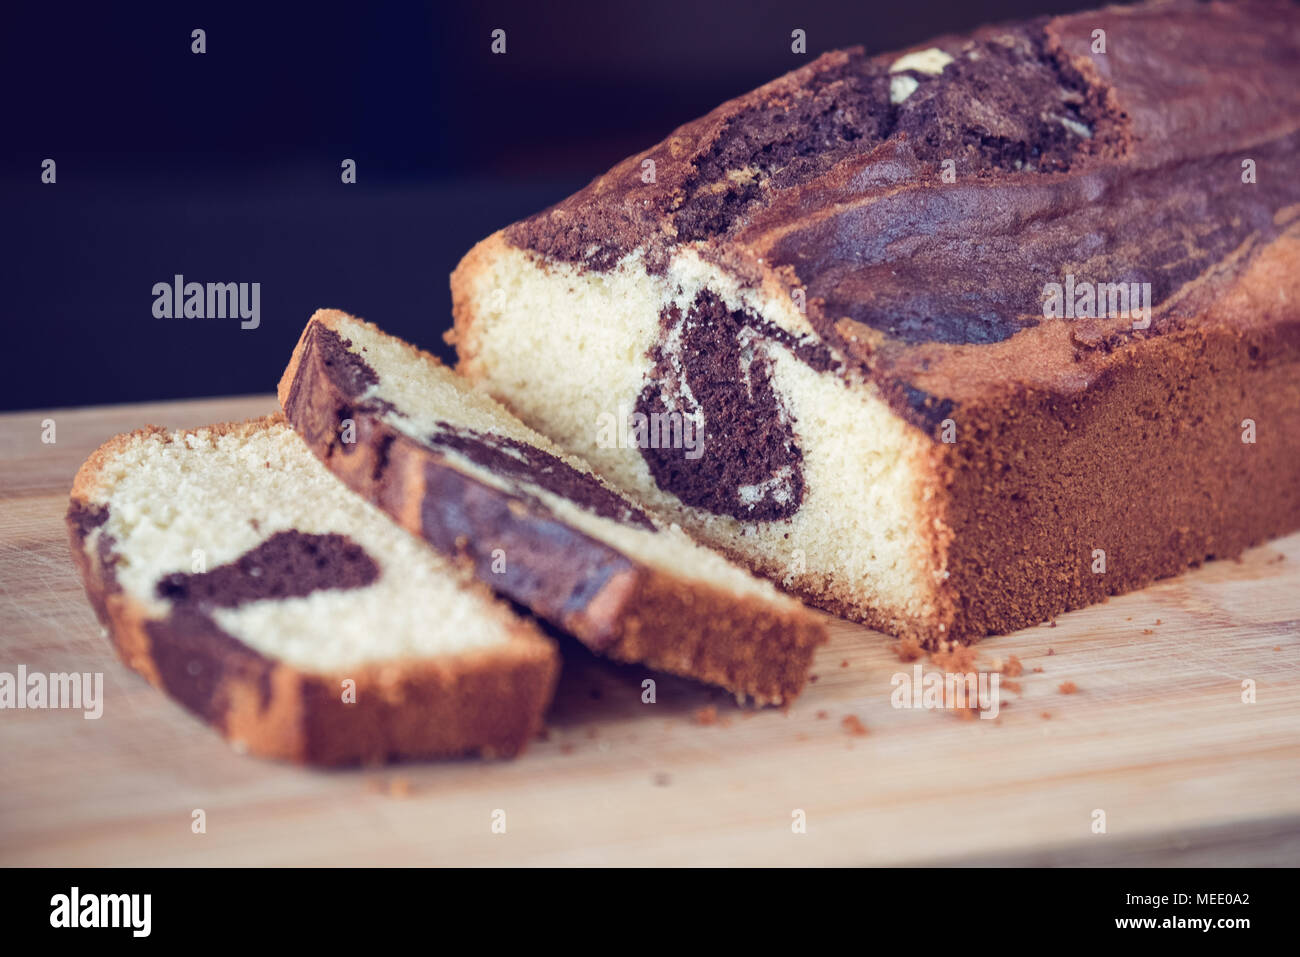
[[1157, 737]]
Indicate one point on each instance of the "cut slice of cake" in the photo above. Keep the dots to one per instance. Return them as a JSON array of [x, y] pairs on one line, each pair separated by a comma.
[[453, 467], [976, 332], [245, 581]]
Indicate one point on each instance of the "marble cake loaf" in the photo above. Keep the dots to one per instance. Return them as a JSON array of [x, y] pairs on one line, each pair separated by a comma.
[[975, 333], [244, 580], [453, 467]]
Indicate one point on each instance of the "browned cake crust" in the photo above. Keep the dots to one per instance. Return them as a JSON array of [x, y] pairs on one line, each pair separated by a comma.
[[614, 604], [1071, 437], [1148, 465], [491, 703]]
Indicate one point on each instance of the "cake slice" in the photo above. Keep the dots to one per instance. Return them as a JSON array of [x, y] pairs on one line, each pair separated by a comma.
[[976, 332], [245, 581], [454, 468]]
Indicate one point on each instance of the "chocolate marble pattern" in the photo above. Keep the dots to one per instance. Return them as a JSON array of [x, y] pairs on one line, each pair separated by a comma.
[[1115, 166]]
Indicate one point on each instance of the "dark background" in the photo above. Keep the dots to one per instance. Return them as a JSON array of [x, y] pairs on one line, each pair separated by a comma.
[[225, 167]]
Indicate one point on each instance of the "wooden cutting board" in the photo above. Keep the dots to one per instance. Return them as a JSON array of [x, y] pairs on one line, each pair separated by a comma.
[[1157, 737]]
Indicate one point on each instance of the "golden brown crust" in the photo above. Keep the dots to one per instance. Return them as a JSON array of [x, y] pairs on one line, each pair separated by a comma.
[[463, 334], [738, 643], [490, 702], [1145, 476], [751, 647]]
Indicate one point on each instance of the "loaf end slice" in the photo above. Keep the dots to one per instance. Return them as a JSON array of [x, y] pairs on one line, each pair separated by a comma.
[[246, 582]]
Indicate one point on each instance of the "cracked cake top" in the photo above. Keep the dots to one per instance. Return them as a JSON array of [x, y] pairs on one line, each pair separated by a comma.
[[925, 200]]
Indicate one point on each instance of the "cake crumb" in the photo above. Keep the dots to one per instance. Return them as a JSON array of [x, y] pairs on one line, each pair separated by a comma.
[[853, 726], [960, 660], [1051, 651], [908, 649], [822, 715], [1013, 669], [399, 788], [1011, 686], [1046, 716], [707, 715], [1158, 621], [1148, 631], [813, 679], [1052, 623], [1277, 647], [844, 663], [1067, 687], [1037, 670]]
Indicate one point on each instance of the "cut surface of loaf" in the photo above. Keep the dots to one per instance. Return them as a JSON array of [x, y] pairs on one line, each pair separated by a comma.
[[855, 278], [453, 467], [245, 581]]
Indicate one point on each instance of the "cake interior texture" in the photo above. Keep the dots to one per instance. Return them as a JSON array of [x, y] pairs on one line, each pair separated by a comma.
[[849, 537], [228, 495], [843, 277], [429, 403]]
